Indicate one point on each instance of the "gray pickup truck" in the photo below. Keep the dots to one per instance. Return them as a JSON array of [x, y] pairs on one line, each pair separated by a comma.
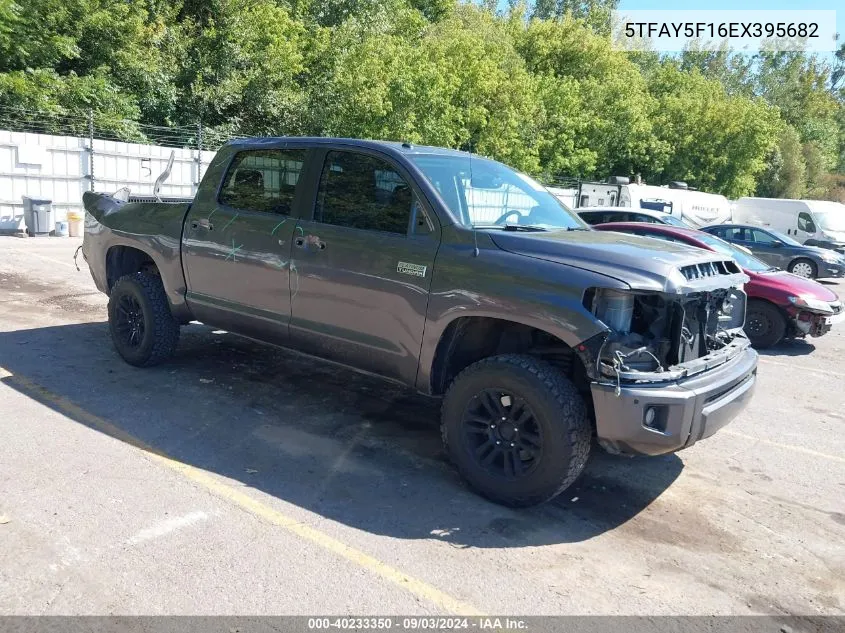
[[449, 273]]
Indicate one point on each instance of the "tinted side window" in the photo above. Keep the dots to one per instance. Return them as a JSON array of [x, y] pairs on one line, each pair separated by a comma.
[[761, 237], [591, 218], [263, 180], [364, 192]]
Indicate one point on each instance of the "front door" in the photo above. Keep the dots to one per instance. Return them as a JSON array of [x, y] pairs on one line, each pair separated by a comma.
[[768, 248], [806, 227], [361, 269], [236, 248]]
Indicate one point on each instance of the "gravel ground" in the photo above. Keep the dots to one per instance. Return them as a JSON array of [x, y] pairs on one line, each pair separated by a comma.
[[293, 487]]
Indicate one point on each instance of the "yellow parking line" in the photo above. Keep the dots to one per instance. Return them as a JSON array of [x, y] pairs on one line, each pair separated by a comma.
[[789, 447], [413, 585]]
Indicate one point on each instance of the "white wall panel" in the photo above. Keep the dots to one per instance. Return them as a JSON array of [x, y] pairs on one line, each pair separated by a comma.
[[62, 167]]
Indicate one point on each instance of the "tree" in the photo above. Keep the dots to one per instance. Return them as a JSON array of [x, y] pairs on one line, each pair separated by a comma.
[[786, 172], [613, 126], [797, 84], [240, 69], [719, 143]]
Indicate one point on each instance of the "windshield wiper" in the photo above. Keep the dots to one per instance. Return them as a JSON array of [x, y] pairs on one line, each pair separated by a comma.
[[511, 227]]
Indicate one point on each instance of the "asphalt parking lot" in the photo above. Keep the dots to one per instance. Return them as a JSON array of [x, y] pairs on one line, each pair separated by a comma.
[[242, 479]]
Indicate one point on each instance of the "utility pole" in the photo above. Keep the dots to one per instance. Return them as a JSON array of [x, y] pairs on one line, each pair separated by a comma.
[[199, 156], [91, 147]]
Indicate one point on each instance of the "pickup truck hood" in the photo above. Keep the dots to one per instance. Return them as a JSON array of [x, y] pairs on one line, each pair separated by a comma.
[[641, 262]]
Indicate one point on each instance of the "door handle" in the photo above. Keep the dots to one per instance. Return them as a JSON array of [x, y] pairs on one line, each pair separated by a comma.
[[309, 240], [204, 223]]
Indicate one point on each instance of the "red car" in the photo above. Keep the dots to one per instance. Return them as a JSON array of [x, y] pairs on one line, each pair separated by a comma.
[[780, 304]]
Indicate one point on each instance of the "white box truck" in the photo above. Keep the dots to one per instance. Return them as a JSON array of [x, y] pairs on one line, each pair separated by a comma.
[[811, 222]]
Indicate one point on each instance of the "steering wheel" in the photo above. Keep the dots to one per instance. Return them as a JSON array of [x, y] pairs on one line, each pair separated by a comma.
[[502, 218]]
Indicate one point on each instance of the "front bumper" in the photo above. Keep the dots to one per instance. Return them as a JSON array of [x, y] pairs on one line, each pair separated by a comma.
[[839, 247], [686, 410], [807, 323], [828, 269]]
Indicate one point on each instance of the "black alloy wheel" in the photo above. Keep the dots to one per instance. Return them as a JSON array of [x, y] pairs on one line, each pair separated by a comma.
[[502, 434]]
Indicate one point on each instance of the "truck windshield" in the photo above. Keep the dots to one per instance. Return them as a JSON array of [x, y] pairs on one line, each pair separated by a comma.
[[830, 220], [746, 261], [485, 194]]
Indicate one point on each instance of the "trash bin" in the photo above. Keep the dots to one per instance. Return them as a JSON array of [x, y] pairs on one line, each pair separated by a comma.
[[38, 215]]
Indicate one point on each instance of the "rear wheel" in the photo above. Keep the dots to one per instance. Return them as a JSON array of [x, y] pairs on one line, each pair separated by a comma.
[[804, 268], [765, 325], [142, 327], [516, 428]]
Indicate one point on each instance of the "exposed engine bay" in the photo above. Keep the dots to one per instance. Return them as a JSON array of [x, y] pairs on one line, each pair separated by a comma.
[[671, 335]]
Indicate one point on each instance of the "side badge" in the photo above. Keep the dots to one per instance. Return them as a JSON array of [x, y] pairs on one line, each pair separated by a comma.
[[411, 269]]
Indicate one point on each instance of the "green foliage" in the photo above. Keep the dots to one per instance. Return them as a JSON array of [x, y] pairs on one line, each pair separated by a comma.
[[537, 85], [718, 142], [610, 121], [786, 173]]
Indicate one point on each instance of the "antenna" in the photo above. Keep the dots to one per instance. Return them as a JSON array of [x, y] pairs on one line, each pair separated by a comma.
[[476, 252]]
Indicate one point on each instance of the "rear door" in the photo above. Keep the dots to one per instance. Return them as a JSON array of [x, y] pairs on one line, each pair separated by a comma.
[[236, 248], [362, 267]]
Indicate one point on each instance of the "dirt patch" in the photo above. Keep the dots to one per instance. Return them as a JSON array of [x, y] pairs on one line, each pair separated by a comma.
[[22, 289]]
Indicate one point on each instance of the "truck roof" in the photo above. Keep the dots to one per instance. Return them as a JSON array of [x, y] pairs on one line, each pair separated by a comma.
[[396, 146]]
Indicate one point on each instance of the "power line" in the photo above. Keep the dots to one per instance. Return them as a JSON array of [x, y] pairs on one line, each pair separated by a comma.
[[108, 128]]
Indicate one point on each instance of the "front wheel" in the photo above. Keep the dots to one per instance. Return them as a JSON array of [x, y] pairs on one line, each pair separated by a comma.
[[516, 428], [804, 268], [765, 325], [142, 327]]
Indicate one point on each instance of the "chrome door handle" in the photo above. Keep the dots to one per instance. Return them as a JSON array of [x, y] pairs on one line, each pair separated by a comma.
[[204, 223]]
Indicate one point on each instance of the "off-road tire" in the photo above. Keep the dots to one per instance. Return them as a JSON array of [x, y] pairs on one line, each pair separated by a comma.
[[803, 260], [557, 406], [774, 320], [161, 330]]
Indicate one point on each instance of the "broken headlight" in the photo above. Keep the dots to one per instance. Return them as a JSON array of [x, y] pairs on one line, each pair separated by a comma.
[[811, 304]]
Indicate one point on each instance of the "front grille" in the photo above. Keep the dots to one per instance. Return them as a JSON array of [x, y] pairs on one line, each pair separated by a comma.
[[709, 269]]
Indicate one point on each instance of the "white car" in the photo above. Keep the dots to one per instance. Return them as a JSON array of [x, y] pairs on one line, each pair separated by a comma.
[[603, 215]]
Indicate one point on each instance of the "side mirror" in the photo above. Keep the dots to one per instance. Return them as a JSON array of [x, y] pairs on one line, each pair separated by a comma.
[[777, 244]]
